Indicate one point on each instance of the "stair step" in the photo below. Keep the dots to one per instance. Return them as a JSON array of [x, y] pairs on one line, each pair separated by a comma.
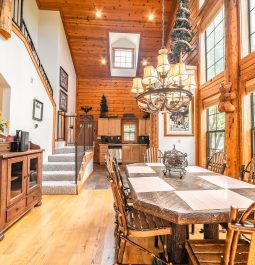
[[58, 175], [65, 150], [58, 166], [59, 188], [62, 158]]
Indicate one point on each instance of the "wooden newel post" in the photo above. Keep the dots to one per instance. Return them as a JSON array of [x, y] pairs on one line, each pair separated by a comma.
[[5, 18], [154, 130], [232, 51]]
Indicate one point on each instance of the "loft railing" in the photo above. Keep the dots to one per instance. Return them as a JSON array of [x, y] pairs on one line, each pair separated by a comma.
[[17, 18]]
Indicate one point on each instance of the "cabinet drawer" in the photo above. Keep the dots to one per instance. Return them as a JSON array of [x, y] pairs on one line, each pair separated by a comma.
[[15, 210], [33, 197]]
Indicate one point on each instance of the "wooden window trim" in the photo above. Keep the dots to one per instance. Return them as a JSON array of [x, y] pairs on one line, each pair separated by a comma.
[[250, 34], [123, 49], [135, 122]]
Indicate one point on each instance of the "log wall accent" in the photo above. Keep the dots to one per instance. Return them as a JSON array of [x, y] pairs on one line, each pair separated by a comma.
[[6, 18]]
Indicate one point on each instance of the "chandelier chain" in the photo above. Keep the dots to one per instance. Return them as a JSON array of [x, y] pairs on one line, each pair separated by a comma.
[[163, 23]]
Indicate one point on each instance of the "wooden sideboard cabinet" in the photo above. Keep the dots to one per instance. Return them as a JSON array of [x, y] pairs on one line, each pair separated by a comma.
[[20, 185]]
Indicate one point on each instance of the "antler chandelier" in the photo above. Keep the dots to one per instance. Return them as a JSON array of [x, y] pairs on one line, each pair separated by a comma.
[[166, 88]]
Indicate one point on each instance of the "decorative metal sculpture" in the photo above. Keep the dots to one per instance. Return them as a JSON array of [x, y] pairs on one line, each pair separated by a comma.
[[175, 161]]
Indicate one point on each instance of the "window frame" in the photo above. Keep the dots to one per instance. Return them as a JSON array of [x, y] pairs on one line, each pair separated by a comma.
[[130, 122], [249, 26], [209, 132], [215, 44], [123, 49]]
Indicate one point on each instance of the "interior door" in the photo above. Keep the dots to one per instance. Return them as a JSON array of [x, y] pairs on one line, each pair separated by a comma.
[[16, 184], [34, 175]]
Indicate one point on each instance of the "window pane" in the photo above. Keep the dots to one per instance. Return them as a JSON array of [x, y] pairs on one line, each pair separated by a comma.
[[219, 32], [215, 46], [210, 58], [219, 51], [123, 58], [253, 42], [212, 123], [220, 123], [252, 23], [210, 42], [252, 4], [211, 140], [219, 143], [210, 73]]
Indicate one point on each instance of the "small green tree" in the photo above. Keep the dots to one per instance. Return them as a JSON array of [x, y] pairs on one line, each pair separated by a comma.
[[103, 107], [181, 35]]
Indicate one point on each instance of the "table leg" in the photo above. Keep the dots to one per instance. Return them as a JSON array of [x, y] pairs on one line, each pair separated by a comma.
[[176, 244], [211, 231]]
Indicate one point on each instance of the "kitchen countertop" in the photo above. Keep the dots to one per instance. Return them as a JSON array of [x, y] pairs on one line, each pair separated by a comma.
[[112, 144]]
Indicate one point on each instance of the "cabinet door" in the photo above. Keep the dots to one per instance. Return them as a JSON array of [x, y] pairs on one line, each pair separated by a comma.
[[16, 180], [34, 176], [103, 127], [114, 127], [142, 128], [142, 153], [126, 151], [135, 154]]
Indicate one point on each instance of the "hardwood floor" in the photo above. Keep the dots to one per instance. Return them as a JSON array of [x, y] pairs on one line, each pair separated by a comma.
[[69, 229]]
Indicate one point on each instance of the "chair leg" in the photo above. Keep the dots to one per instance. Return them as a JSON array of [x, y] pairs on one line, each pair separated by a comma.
[[156, 241], [121, 250]]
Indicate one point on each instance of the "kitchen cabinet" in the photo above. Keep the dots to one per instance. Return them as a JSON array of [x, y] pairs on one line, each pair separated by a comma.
[[109, 127], [144, 127], [133, 153], [20, 185]]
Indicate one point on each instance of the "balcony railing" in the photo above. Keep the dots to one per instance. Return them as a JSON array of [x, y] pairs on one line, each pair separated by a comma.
[[17, 17]]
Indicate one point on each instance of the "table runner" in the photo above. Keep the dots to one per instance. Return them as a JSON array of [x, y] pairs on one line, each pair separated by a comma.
[[140, 170]]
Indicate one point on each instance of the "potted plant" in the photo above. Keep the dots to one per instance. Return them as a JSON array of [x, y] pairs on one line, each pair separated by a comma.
[[4, 124]]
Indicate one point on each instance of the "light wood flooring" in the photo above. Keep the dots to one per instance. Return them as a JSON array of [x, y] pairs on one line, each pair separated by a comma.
[[68, 229]]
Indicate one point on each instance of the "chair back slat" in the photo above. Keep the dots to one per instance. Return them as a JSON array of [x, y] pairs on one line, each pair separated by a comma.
[[251, 178], [236, 228], [153, 155], [217, 162]]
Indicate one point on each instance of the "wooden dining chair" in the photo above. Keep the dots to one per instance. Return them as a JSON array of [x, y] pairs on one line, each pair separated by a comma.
[[153, 155], [217, 162], [247, 173], [233, 250], [133, 223]]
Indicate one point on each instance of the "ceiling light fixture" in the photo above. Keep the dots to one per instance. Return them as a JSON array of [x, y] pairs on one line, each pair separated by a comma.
[[98, 14], [103, 61], [151, 17], [166, 88], [144, 62]]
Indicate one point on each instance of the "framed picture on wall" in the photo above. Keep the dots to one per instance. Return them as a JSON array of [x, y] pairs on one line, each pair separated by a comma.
[[63, 101], [37, 110], [63, 79], [180, 123]]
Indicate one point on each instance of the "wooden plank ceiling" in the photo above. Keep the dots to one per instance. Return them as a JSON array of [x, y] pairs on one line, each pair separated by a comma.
[[88, 35]]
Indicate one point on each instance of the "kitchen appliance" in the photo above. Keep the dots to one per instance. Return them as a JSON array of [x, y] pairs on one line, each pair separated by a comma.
[[116, 150], [21, 143]]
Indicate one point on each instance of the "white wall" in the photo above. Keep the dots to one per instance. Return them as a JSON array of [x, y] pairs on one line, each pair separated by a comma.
[[185, 144], [54, 52], [31, 16], [19, 71]]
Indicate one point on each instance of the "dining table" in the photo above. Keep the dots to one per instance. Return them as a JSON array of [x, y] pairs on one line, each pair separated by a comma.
[[200, 197]]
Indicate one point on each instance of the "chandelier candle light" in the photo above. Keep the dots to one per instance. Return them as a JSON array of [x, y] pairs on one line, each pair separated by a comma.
[[168, 88]]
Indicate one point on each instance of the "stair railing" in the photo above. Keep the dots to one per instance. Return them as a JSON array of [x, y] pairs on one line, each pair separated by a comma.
[[66, 127], [84, 142]]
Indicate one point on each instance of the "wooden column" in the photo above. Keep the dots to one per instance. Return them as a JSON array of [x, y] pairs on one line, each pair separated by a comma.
[[232, 55], [154, 130], [5, 18]]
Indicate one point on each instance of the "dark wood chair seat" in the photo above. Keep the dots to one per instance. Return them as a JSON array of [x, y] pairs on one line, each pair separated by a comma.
[[141, 221], [210, 252]]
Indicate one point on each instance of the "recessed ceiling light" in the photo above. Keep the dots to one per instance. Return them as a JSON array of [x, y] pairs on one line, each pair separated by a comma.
[[103, 61], [98, 14], [144, 62], [151, 17]]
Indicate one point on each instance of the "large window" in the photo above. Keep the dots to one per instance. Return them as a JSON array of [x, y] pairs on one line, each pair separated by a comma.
[[214, 46], [251, 4], [253, 123], [215, 131], [123, 58]]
